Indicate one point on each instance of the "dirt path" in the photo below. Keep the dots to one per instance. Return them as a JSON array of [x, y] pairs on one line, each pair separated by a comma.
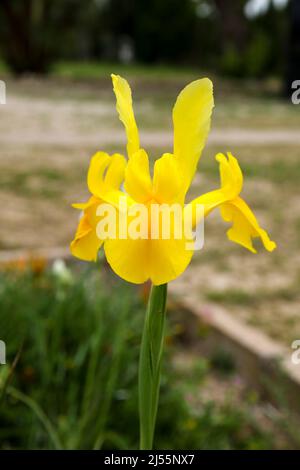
[[69, 122], [69, 138]]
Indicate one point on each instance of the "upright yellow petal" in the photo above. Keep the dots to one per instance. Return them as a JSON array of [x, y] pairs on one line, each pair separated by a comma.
[[115, 172], [191, 119], [230, 174], [95, 179], [126, 115], [138, 183], [105, 176], [167, 181]]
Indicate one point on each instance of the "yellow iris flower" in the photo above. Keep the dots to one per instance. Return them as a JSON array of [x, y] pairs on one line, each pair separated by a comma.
[[162, 260]]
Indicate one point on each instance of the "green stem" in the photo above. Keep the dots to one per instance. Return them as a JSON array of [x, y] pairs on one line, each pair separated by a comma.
[[150, 363]]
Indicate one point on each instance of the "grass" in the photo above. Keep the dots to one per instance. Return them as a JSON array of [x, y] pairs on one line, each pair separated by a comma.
[[40, 182], [90, 70], [76, 335], [244, 298], [281, 172], [242, 104], [3, 68]]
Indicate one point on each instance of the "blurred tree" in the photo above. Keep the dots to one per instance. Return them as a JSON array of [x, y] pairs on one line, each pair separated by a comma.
[[118, 23], [160, 30], [35, 32], [233, 30], [232, 22], [214, 34], [293, 50], [251, 46], [164, 30]]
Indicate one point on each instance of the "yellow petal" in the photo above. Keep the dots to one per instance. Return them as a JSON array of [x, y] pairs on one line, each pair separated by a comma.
[[167, 182], [86, 244], [233, 208], [231, 185], [160, 260], [169, 259], [115, 172], [244, 225], [105, 176], [126, 115], [136, 261], [230, 174], [85, 205], [208, 202], [95, 179], [129, 259], [138, 183], [191, 119]]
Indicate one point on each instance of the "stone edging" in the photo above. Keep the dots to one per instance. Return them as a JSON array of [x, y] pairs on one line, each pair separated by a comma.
[[263, 362]]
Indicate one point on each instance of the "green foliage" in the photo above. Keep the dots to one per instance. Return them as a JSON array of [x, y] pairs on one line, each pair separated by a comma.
[[164, 30], [231, 61], [75, 384], [223, 361], [257, 55], [35, 34]]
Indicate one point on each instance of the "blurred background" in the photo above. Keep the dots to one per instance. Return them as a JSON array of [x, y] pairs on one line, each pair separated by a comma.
[[72, 331]]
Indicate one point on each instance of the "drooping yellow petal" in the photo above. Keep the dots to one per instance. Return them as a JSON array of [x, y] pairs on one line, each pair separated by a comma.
[[169, 259], [89, 208], [233, 208], [129, 259], [244, 225], [86, 243], [191, 119], [136, 261], [167, 181], [159, 254], [85, 205], [206, 203], [138, 183], [126, 115], [231, 185]]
